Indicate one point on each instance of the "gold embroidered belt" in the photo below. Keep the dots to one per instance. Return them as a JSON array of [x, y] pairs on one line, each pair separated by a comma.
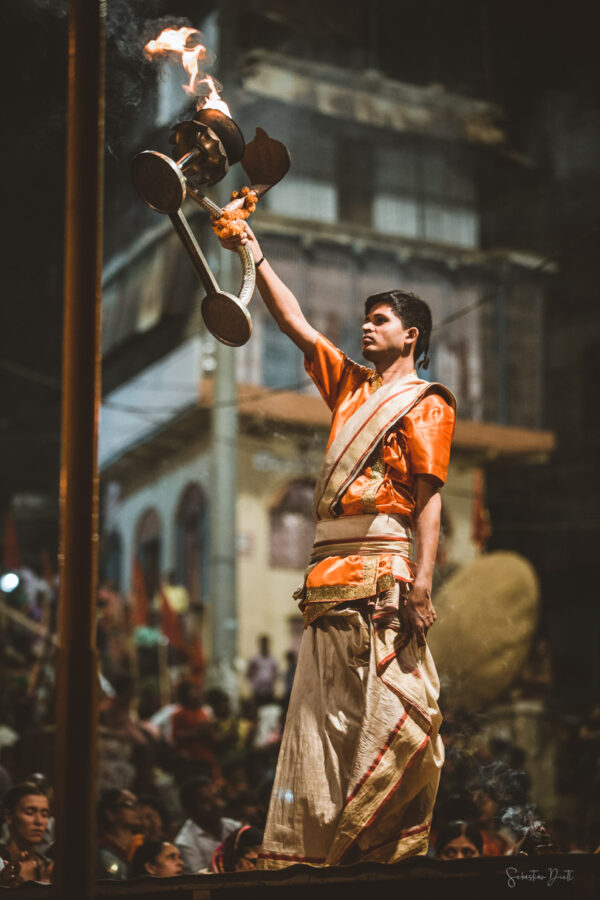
[[361, 535]]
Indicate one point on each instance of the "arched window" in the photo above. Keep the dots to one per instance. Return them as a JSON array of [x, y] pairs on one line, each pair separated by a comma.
[[111, 559], [148, 549], [292, 528], [190, 536]]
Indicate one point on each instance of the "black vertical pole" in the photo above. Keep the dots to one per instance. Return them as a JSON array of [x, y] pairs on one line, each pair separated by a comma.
[[76, 688], [224, 440]]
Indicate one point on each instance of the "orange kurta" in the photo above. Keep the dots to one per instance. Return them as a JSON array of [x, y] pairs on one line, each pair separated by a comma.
[[419, 445]]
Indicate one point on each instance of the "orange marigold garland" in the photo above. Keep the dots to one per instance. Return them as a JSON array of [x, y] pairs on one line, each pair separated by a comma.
[[232, 220]]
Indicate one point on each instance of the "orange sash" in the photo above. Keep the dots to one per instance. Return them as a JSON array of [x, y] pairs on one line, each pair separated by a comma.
[[359, 436]]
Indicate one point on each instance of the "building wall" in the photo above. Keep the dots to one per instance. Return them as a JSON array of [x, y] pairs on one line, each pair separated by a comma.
[[163, 494], [267, 465]]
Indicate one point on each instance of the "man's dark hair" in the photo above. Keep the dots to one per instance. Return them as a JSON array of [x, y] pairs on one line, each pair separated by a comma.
[[414, 312], [12, 797], [187, 792], [108, 803], [156, 805]]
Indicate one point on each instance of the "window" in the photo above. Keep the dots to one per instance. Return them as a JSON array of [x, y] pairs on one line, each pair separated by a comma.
[[309, 190], [425, 191], [292, 528], [190, 535], [148, 550], [111, 558], [281, 361], [304, 197]]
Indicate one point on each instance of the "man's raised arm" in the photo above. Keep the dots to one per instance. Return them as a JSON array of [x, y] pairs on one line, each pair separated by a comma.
[[277, 297]]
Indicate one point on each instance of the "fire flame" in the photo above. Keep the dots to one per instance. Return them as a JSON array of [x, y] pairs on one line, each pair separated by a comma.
[[186, 43]]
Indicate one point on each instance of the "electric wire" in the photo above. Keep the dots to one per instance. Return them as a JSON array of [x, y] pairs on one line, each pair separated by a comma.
[[41, 378]]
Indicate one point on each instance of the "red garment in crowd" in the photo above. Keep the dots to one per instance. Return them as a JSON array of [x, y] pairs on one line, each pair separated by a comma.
[[194, 746]]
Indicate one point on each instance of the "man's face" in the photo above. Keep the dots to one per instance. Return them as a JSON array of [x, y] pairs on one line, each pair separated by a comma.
[[384, 334], [30, 818], [208, 804], [127, 813], [152, 826]]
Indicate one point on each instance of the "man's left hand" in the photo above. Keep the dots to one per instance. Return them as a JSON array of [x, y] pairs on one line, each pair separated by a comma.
[[420, 611]]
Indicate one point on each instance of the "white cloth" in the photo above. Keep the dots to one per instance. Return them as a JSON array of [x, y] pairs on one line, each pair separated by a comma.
[[262, 674], [197, 846]]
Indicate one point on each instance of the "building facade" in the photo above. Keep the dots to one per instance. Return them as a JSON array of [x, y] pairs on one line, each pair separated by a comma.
[[389, 187]]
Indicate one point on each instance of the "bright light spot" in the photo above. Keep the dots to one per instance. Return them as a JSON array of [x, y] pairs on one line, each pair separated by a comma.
[[9, 582]]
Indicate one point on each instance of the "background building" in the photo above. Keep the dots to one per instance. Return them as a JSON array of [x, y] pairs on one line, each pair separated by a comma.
[[388, 186], [450, 148]]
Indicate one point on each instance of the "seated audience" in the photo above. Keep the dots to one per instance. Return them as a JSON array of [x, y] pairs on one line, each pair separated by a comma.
[[458, 840], [495, 843], [536, 841], [154, 821], [192, 728], [205, 827], [119, 833], [26, 813], [238, 852], [157, 858]]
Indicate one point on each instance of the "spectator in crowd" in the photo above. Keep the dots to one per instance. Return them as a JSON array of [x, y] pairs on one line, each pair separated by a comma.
[[238, 852], [262, 672], [111, 636], [288, 676], [192, 728], [153, 818], [225, 724], [115, 711], [158, 858], [536, 840], [458, 840], [38, 780], [27, 813], [488, 810], [205, 827], [119, 833]]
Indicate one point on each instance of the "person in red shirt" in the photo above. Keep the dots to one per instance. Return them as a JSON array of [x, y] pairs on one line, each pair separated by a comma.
[[192, 727], [361, 753]]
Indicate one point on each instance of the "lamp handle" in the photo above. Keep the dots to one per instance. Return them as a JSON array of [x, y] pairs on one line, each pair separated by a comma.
[[246, 289]]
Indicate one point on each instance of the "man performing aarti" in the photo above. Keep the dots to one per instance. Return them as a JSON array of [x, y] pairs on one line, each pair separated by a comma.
[[361, 754]]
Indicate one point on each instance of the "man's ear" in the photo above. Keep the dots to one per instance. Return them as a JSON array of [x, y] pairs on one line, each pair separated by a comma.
[[412, 335], [150, 868]]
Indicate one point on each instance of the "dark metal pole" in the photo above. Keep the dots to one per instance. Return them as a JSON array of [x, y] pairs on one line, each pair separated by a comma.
[[224, 436], [76, 688]]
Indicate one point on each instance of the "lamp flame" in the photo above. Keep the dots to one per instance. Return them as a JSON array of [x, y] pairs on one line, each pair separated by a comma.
[[187, 45]]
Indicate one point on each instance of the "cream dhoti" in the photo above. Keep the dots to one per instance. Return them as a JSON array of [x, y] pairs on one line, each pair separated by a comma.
[[361, 754]]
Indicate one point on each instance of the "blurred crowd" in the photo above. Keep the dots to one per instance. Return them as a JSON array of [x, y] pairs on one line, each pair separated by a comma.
[[185, 773]]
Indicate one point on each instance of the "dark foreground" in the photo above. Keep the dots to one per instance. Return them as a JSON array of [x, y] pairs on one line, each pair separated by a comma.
[[565, 876]]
